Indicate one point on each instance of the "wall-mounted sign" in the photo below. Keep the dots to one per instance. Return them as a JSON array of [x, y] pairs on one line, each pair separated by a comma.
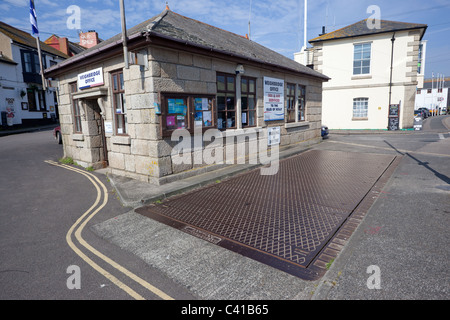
[[108, 127], [90, 79], [273, 136], [273, 99]]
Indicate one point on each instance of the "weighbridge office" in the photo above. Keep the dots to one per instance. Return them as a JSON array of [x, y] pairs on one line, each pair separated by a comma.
[[125, 118]]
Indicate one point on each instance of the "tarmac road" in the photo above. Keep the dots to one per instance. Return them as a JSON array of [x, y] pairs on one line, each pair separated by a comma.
[[40, 202]]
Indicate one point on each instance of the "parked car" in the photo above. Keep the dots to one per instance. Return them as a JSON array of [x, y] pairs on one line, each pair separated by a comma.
[[325, 132], [426, 112], [419, 114], [57, 134]]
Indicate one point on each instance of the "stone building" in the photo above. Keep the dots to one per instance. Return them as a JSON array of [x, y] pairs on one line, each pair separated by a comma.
[[221, 88]]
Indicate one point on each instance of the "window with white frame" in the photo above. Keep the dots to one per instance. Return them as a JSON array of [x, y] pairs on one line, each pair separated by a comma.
[[361, 58], [119, 103], [360, 107]]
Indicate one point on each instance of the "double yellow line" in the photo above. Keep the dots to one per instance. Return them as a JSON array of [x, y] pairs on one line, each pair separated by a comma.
[[80, 225]]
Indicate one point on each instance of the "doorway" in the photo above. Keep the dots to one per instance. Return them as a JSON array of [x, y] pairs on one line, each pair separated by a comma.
[[96, 126]]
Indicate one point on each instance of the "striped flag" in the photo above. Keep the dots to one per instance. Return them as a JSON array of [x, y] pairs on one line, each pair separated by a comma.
[[33, 19]]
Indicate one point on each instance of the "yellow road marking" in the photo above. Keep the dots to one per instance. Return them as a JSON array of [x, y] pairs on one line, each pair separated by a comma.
[[114, 264]]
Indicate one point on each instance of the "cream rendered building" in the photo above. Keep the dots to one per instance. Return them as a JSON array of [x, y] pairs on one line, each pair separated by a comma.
[[370, 68]]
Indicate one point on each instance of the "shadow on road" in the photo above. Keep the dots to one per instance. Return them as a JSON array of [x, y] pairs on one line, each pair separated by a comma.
[[439, 175]]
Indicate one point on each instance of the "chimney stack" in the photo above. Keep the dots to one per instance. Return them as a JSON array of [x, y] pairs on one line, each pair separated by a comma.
[[89, 39]]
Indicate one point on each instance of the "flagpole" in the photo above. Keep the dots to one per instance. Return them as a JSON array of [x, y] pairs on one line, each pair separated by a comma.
[[35, 30], [44, 87]]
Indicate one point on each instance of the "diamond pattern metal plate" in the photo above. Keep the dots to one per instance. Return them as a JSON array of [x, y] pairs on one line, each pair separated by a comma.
[[284, 220]]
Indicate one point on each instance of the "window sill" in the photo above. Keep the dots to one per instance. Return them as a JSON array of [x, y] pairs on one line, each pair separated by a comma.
[[77, 137], [296, 124], [121, 140], [360, 119], [239, 132], [361, 77]]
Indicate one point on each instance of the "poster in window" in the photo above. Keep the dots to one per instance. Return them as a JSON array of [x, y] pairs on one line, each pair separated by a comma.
[[198, 120], [177, 106], [206, 104], [180, 107], [273, 99], [171, 104], [207, 118], [170, 121], [198, 104], [181, 122], [244, 117]]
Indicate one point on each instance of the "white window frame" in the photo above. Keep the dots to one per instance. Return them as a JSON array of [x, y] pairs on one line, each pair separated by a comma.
[[361, 58], [360, 108]]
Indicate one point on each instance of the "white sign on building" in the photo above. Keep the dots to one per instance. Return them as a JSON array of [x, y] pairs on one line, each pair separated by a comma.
[[273, 99], [273, 136], [90, 79]]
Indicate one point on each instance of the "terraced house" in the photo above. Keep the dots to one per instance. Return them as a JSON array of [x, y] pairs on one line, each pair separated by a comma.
[[184, 74], [23, 99]]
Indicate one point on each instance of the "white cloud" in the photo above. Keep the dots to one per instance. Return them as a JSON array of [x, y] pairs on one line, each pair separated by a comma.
[[18, 3]]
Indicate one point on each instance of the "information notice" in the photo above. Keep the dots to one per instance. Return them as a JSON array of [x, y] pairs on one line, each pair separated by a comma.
[[273, 99]]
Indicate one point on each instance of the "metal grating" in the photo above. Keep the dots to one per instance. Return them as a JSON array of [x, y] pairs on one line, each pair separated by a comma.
[[284, 220]]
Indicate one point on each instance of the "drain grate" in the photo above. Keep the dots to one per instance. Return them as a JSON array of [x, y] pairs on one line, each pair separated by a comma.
[[284, 220]]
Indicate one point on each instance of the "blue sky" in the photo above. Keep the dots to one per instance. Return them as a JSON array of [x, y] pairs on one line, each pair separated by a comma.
[[274, 24]]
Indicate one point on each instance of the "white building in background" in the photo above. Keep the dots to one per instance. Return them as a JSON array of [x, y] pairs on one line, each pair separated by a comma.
[[22, 98], [434, 95], [369, 70]]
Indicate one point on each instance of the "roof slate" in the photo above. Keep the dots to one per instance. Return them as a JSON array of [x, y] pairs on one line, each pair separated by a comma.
[[175, 27], [361, 28]]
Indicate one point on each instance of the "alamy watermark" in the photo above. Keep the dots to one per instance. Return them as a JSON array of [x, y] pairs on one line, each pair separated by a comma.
[[374, 21], [217, 147], [374, 280], [73, 22], [74, 280]]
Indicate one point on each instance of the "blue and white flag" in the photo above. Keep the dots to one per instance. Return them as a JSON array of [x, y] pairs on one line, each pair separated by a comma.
[[33, 19]]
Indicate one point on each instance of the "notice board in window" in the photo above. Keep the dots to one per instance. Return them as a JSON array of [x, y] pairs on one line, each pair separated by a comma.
[[273, 99]]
